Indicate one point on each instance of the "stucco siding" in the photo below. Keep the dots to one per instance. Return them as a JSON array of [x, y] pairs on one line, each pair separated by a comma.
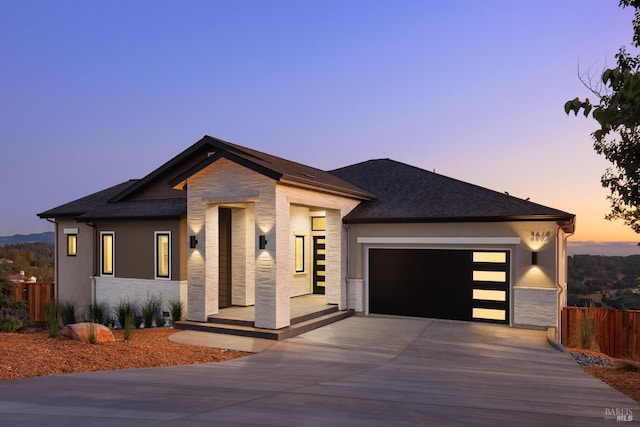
[[134, 246], [522, 275], [534, 288], [73, 273]]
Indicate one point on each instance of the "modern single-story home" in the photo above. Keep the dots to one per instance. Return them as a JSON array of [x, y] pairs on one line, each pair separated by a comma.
[[223, 225]]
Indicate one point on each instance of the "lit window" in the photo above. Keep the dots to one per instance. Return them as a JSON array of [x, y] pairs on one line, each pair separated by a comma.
[[489, 276], [163, 254], [299, 258], [492, 257], [107, 249], [489, 314], [489, 295], [72, 244], [318, 223]]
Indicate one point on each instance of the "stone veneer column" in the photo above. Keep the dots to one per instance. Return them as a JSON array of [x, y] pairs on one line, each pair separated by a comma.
[[195, 260], [212, 263], [273, 267], [334, 268]]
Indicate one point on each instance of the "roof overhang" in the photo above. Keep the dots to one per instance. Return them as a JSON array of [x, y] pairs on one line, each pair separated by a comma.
[[566, 223]]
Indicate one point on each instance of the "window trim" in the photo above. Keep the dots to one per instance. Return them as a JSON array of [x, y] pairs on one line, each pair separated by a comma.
[[104, 234], [299, 238], [156, 254], [72, 244]]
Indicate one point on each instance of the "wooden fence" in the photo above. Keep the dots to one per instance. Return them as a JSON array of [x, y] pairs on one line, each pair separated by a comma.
[[36, 295], [615, 332]]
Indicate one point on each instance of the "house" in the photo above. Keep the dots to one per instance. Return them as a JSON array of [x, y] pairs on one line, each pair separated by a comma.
[[223, 225], [21, 278]]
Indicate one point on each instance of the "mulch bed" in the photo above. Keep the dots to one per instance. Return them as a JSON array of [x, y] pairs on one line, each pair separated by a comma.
[[34, 353]]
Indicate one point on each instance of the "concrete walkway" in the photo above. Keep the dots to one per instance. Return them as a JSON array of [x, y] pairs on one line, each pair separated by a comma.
[[362, 371]]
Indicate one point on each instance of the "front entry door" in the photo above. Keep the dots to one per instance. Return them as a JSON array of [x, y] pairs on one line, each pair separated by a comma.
[[224, 257], [319, 264]]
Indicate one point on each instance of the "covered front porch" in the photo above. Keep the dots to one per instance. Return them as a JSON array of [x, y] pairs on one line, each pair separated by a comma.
[[307, 312]]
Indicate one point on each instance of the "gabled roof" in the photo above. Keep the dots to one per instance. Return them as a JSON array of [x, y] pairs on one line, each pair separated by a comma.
[[97, 206], [409, 194], [390, 191], [277, 168]]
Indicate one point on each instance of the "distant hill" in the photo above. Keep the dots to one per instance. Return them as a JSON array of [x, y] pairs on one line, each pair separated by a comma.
[[46, 237], [603, 248], [605, 281]]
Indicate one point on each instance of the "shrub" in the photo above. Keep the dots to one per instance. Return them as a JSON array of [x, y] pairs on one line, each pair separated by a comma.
[[52, 312], [6, 295], [151, 309], [137, 320], [175, 308], [68, 312], [99, 313], [160, 321], [13, 319], [93, 338], [589, 328], [125, 311], [127, 326]]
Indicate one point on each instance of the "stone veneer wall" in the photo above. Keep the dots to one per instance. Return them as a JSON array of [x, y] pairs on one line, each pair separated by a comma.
[[227, 184], [267, 209], [113, 290], [535, 307]]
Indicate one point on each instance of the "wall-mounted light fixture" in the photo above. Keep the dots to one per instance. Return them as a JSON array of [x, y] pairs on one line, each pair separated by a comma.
[[539, 237], [262, 241], [193, 242], [534, 258]]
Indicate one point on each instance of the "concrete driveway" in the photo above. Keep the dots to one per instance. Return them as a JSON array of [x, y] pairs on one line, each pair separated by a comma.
[[362, 371]]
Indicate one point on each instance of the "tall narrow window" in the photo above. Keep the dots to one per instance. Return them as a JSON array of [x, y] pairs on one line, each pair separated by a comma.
[[299, 258], [107, 249], [163, 254], [72, 244]]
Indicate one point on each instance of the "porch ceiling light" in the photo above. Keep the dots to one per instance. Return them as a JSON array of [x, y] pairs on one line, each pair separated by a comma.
[[262, 241], [193, 242]]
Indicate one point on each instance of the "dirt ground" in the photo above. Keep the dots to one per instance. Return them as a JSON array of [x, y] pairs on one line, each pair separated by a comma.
[[34, 354], [620, 376]]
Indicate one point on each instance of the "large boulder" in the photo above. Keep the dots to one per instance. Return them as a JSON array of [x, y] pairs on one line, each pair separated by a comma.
[[82, 332]]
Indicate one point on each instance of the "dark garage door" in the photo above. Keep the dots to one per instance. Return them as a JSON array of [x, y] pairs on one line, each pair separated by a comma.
[[440, 283]]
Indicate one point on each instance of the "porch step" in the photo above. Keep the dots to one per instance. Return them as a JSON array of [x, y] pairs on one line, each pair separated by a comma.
[[294, 320], [301, 326]]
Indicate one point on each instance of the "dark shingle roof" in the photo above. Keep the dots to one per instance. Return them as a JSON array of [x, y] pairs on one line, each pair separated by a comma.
[[409, 194], [390, 191], [275, 167], [97, 206]]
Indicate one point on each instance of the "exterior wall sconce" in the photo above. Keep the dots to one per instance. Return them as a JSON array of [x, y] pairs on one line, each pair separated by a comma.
[[262, 241], [193, 242], [534, 258], [539, 237]]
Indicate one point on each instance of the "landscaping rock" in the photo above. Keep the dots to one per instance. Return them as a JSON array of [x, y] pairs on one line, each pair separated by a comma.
[[585, 359], [82, 332]]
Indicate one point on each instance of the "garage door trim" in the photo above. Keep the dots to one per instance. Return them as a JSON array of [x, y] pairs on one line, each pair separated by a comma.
[[439, 241]]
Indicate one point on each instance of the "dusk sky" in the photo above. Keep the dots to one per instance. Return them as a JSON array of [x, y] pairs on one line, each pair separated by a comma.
[[93, 93]]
